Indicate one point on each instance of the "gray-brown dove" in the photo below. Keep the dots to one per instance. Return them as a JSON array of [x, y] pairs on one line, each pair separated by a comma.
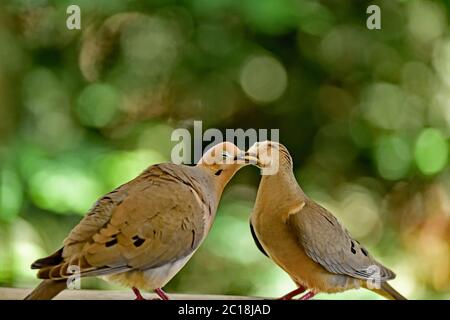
[[305, 239], [142, 233]]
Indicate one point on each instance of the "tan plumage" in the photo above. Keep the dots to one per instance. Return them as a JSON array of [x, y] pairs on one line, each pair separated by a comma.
[[305, 239], [142, 233]]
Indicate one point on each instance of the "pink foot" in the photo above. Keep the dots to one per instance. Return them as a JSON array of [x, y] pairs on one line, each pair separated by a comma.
[[161, 294], [138, 294], [307, 296], [292, 294]]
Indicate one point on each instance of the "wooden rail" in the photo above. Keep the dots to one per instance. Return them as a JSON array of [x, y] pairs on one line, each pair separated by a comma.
[[19, 294]]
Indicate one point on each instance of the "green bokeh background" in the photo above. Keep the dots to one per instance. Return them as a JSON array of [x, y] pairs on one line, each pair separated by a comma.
[[365, 114]]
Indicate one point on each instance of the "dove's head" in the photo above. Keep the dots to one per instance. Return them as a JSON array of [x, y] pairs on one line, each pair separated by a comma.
[[223, 161], [270, 156]]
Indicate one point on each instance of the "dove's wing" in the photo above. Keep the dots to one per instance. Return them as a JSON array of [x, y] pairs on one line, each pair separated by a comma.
[[157, 218], [256, 240], [329, 244]]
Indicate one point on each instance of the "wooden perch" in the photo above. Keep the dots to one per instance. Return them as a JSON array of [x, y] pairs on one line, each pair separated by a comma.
[[19, 294]]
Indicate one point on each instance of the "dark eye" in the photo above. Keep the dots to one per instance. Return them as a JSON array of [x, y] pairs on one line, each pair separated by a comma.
[[225, 155]]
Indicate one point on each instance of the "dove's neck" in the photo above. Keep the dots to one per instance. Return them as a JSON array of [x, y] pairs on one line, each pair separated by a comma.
[[222, 180], [280, 190], [218, 180]]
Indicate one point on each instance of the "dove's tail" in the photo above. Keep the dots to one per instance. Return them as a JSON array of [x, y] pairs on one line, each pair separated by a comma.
[[47, 289], [388, 292]]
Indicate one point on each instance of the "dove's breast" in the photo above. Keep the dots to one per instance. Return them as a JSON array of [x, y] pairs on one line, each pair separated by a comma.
[[161, 275], [149, 279], [283, 248]]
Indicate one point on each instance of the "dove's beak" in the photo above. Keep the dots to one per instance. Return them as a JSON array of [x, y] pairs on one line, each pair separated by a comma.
[[247, 158]]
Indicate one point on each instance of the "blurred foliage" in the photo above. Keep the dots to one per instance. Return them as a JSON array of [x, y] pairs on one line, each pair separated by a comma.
[[365, 113]]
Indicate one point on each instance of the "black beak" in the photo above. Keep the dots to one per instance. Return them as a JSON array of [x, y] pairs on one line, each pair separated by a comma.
[[248, 158]]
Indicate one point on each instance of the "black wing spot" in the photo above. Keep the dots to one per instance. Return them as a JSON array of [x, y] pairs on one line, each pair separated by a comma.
[[138, 241], [353, 248], [193, 239], [110, 243], [364, 251], [331, 222], [218, 172]]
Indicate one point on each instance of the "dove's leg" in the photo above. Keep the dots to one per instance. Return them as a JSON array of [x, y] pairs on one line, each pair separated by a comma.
[[293, 293], [161, 294], [307, 296], [138, 294]]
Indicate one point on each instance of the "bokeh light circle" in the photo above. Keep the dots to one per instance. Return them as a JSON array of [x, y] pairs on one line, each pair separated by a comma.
[[98, 105], [431, 151], [263, 79]]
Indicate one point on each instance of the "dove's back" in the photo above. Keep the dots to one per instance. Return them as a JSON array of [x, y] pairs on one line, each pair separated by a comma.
[[140, 234], [306, 240]]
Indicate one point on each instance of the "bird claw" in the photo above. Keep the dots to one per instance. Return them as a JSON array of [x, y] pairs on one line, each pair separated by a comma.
[[307, 296], [292, 294], [138, 294], [161, 294]]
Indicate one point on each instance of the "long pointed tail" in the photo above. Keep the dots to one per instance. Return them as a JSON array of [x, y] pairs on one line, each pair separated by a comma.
[[47, 290], [388, 292]]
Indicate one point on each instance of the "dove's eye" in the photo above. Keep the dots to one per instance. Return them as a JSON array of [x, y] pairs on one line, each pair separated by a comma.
[[225, 155]]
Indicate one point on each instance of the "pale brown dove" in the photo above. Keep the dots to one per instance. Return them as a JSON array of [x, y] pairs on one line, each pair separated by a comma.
[[141, 234], [305, 239]]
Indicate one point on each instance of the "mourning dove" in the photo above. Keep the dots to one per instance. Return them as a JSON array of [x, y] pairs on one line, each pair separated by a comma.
[[142, 233], [305, 239]]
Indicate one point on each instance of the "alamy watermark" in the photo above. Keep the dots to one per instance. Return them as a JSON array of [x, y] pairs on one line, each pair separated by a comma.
[[187, 152], [374, 279], [74, 280], [73, 21], [373, 22]]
